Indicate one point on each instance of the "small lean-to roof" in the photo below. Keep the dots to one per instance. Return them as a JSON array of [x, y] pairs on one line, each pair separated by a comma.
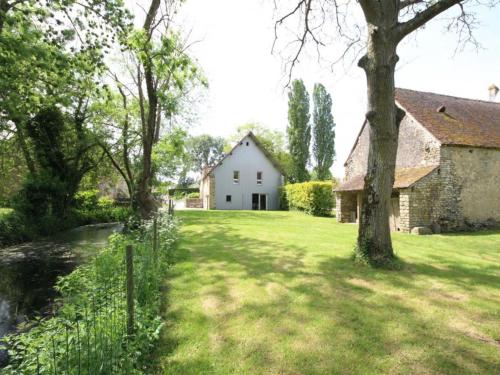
[[452, 120], [403, 178], [258, 144]]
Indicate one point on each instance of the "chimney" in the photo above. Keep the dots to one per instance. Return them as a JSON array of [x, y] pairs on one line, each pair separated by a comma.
[[493, 90]]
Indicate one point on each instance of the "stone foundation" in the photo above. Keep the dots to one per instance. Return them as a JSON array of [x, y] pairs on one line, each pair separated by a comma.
[[194, 203], [346, 206]]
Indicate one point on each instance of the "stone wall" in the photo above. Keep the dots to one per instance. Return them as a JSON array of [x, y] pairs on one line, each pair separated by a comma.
[[346, 204], [207, 192], [475, 175], [416, 148], [422, 204], [462, 192], [211, 194], [355, 164], [404, 210], [194, 203]]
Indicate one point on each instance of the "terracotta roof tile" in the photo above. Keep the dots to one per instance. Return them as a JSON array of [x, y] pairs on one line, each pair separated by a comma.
[[464, 122], [404, 178]]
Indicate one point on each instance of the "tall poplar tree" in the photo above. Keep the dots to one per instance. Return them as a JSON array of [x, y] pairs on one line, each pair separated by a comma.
[[299, 130], [324, 132]]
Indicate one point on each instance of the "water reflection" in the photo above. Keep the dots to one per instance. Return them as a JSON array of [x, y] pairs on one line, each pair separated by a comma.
[[29, 271]]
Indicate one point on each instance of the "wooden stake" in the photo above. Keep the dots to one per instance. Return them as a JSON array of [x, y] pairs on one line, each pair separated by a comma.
[[130, 289]]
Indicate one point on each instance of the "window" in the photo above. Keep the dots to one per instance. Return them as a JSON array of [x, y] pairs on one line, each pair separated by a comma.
[[259, 178], [228, 198], [248, 143], [236, 177]]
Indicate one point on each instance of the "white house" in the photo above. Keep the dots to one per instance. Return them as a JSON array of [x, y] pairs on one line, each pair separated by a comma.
[[247, 178]]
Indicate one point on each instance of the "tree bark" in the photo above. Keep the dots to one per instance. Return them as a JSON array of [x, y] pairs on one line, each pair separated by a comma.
[[21, 139], [374, 240], [145, 199]]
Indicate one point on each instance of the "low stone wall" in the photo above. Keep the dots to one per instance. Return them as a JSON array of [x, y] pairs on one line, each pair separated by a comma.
[[346, 205], [194, 203]]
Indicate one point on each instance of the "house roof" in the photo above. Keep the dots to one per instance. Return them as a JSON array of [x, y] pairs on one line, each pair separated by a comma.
[[452, 120], [252, 136], [403, 178]]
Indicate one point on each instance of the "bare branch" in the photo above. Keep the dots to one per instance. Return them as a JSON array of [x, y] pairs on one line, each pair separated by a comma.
[[151, 15], [421, 18], [406, 3], [307, 32], [284, 18]]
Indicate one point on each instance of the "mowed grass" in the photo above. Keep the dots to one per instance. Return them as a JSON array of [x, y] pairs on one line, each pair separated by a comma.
[[277, 293]]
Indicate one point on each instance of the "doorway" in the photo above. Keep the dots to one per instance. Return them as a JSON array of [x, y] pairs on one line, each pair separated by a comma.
[[259, 202], [394, 218]]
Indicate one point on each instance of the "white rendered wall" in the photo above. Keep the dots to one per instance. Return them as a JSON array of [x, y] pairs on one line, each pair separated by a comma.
[[248, 160]]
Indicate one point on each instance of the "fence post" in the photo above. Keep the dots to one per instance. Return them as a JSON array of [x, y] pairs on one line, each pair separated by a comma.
[[170, 207], [130, 289], [155, 235]]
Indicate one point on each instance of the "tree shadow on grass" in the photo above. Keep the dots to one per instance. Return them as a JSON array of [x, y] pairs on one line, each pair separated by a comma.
[[328, 314]]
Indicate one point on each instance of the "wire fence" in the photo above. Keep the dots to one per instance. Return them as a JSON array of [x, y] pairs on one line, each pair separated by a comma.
[[109, 317]]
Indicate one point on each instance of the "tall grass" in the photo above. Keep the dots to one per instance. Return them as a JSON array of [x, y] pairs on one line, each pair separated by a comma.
[[88, 335]]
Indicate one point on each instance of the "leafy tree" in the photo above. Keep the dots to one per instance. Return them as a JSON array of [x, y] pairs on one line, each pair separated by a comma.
[[163, 75], [48, 49], [204, 150], [299, 130], [324, 132], [12, 168], [185, 181], [387, 23], [63, 151], [169, 155]]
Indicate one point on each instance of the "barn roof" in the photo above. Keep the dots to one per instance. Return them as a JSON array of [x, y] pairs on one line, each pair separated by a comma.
[[404, 178], [452, 120]]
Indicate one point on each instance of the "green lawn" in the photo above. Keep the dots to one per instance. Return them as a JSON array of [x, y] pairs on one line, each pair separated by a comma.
[[276, 293]]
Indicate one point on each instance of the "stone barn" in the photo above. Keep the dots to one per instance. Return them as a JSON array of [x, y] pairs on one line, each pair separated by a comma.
[[447, 168]]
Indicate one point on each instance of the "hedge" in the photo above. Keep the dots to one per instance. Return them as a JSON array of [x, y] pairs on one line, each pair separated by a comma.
[[16, 227], [314, 197]]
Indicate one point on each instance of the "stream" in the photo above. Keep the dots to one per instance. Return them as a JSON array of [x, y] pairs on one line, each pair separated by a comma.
[[29, 271]]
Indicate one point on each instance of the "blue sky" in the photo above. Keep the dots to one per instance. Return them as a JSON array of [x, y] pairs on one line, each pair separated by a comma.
[[246, 81]]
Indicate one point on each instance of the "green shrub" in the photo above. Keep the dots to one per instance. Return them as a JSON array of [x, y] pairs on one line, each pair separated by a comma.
[[90, 209], [314, 197], [283, 202], [194, 195], [179, 195], [41, 196], [36, 213], [87, 199], [105, 202], [13, 229], [88, 334], [4, 212]]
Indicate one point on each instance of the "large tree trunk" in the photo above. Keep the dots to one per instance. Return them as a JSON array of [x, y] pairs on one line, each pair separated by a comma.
[[144, 199], [374, 239]]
